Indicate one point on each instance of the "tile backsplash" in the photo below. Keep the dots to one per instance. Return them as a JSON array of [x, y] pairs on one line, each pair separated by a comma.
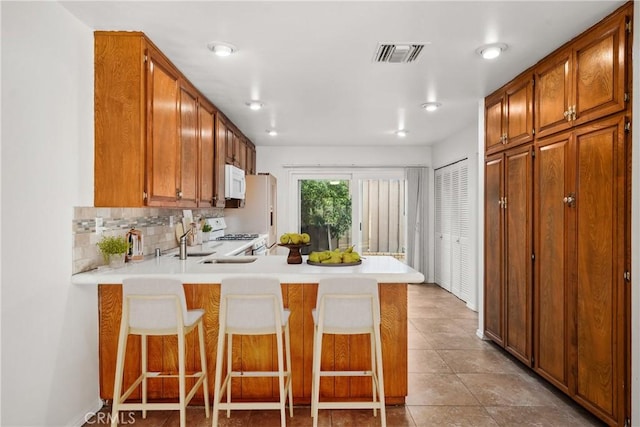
[[154, 223]]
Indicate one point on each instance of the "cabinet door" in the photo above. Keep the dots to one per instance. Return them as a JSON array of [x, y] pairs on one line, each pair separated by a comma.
[[188, 182], [230, 147], [494, 123], [553, 94], [163, 136], [598, 257], [119, 116], [600, 71], [494, 250], [551, 298], [236, 149], [519, 111], [517, 206], [242, 154], [206, 127], [220, 160], [251, 159]]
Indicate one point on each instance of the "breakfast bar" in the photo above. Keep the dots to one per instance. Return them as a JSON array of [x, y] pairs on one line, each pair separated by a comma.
[[202, 276]]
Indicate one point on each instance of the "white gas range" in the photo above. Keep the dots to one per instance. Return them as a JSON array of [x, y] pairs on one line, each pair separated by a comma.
[[258, 246]]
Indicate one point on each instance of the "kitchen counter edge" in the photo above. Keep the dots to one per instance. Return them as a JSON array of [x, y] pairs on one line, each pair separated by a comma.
[[385, 269]]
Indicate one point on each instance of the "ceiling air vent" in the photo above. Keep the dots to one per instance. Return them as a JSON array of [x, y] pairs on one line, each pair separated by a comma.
[[398, 53]]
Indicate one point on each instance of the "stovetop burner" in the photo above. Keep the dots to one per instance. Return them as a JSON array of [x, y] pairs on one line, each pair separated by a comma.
[[239, 236]]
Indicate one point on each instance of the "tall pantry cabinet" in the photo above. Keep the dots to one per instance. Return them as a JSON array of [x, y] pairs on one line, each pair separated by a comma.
[[565, 310], [508, 220]]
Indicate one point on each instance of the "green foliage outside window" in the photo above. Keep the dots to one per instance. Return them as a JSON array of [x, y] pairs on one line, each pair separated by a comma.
[[326, 205]]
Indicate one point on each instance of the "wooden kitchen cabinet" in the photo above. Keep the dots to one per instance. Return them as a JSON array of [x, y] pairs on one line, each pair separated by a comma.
[[207, 167], [251, 159], [145, 121], [241, 153], [509, 115], [236, 150], [508, 250], [580, 239], [572, 325], [136, 108], [231, 146], [187, 192], [163, 139], [220, 161], [151, 127], [585, 80]]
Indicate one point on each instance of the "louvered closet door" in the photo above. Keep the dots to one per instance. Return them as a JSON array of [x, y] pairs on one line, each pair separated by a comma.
[[438, 226], [445, 254], [465, 233], [452, 258], [454, 214]]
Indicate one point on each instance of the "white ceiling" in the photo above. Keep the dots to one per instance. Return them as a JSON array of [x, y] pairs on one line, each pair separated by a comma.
[[311, 63]]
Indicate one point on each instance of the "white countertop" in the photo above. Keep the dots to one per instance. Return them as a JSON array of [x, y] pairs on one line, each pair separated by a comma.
[[385, 269]]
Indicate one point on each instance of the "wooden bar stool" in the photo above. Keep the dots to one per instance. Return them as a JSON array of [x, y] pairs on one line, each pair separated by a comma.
[[252, 305], [348, 306], [157, 306]]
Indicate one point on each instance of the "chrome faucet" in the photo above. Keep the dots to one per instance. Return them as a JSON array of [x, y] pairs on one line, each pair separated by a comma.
[[183, 244]]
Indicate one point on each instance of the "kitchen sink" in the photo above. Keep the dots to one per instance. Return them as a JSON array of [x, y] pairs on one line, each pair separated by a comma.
[[230, 260], [195, 254]]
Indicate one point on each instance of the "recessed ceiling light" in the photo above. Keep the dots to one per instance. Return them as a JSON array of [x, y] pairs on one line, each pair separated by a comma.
[[431, 106], [272, 132], [255, 105], [221, 48], [491, 51], [401, 133]]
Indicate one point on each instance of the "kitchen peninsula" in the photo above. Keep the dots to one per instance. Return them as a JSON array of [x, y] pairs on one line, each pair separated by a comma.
[[202, 276]]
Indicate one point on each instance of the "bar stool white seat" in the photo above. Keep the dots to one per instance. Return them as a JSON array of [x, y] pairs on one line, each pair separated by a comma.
[[252, 305], [157, 306], [348, 306]]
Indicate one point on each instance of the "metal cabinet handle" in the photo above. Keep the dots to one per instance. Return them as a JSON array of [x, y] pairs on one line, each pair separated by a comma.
[[178, 193], [569, 200]]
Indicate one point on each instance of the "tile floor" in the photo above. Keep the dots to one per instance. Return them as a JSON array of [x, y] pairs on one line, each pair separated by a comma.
[[455, 379]]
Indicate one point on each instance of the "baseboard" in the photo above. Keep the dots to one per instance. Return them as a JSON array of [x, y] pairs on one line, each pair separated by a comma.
[[82, 419], [480, 335]]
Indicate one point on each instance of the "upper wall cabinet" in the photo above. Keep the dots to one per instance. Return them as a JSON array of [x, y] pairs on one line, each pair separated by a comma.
[[162, 98], [237, 147], [207, 140], [585, 80], [155, 136], [251, 158], [220, 161], [509, 115]]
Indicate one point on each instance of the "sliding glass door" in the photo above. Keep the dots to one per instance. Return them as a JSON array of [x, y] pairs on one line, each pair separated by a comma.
[[364, 209], [326, 213]]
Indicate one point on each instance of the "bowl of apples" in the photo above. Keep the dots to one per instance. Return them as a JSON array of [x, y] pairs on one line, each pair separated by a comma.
[[294, 242]]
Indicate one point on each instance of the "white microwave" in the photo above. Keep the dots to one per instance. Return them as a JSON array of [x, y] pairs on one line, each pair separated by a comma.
[[234, 182]]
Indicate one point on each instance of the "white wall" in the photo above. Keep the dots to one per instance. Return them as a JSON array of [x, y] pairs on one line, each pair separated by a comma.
[[49, 327]]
